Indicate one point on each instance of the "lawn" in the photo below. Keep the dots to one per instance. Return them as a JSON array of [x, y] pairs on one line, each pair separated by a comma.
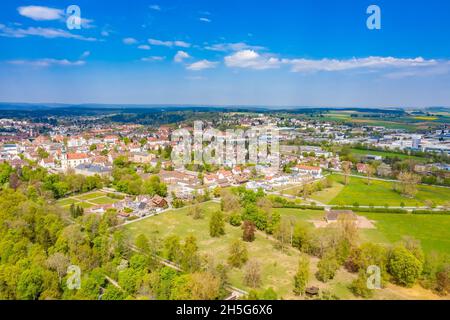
[[104, 200], [86, 200], [327, 194], [379, 193], [91, 195], [433, 231]]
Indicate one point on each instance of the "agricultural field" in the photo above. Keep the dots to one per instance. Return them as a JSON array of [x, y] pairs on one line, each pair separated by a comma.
[[278, 268], [87, 200], [409, 122], [386, 154], [378, 193]]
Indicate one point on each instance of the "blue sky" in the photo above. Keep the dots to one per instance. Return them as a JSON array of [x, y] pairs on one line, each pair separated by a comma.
[[234, 52]]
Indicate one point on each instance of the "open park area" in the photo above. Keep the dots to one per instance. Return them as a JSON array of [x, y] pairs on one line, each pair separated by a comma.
[[278, 267]]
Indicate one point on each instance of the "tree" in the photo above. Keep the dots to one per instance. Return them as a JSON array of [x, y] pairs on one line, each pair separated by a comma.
[[190, 261], [59, 263], [238, 254], [42, 153], [248, 231], [370, 170], [366, 255], [14, 181], [217, 224], [301, 278], [284, 233], [302, 237], [76, 211], [196, 211], [230, 201], [235, 219], [327, 267], [172, 248], [31, 283], [443, 281], [404, 266], [407, 184], [346, 168], [153, 186], [142, 243], [204, 286], [252, 276]]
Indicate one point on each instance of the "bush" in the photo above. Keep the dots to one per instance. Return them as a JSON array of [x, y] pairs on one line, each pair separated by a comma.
[[327, 267], [404, 266], [359, 286], [446, 212], [235, 219]]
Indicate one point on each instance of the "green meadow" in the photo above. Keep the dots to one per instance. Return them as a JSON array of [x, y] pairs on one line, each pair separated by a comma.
[[377, 193]]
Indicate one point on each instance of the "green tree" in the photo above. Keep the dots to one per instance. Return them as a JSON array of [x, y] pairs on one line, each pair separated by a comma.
[[404, 267], [172, 248], [327, 267], [217, 224], [142, 243], [190, 261], [238, 254], [301, 278]]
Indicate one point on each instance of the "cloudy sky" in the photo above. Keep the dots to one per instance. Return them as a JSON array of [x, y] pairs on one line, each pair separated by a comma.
[[234, 52]]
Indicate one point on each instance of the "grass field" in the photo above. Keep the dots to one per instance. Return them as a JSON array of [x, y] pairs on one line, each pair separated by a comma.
[[378, 193], [433, 231], [387, 154], [87, 200]]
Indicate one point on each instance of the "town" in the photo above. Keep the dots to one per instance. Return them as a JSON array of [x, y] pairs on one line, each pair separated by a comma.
[[326, 174]]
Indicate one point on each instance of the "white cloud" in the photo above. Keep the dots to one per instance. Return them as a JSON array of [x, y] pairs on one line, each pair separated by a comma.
[[181, 44], [250, 59], [237, 46], [205, 20], [43, 63], [153, 58], [144, 47], [201, 65], [129, 41], [85, 55], [41, 13], [87, 23], [308, 65], [157, 42], [48, 33], [155, 7], [180, 56]]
